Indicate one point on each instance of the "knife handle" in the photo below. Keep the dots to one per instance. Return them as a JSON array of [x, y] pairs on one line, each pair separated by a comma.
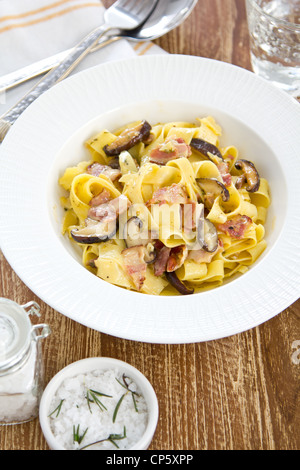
[[4, 128], [51, 78]]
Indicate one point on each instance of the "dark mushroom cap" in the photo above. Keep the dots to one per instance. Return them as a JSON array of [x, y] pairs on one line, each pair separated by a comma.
[[215, 187], [128, 139], [207, 234], [114, 163], [135, 233], [95, 233], [151, 253], [211, 242], [250, 175], [179, 286], [206, 148]]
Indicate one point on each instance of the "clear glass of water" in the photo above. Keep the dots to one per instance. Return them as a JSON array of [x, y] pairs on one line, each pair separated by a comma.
[[274, 28]]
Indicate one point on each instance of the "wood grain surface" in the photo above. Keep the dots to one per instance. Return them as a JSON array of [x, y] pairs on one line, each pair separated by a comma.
[[237, 393]]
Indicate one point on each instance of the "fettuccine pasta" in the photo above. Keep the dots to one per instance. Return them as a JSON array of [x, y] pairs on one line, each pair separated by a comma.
[[165, 209]]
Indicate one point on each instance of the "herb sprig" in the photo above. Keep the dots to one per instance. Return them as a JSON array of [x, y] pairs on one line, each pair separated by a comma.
[[76, 435], [57, 409], [92, 397], [111, 438], [133, 395]]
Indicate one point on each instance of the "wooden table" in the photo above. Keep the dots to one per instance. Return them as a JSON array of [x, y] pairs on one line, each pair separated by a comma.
[[240, 392]]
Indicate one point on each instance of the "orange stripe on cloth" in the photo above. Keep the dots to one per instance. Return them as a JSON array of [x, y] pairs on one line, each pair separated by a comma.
[[49, 17], [146, 49], [137, 46], [34, 12]]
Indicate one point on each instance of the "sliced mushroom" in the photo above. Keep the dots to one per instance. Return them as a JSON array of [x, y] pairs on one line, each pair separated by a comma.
[[128, 139], [179, 286], [132, 230], [207, 234], [95, 233], [114, 163], [135, 233], [150, 253], [250, 175], [212, 189], [210, 237], [206, 148]]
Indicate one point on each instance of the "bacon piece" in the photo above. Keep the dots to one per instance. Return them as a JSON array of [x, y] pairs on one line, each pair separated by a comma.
[[168, 259], [161, 157], [175, 194], [135, 264], [177, 257], [203, 256], [189, 216], [223, 168], [97, 169], [171, 149], [162, 256], [101, 198], [236, 227], [109, 211]]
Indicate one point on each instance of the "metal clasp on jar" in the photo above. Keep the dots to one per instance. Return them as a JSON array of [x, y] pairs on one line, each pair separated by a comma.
[[34, 309]]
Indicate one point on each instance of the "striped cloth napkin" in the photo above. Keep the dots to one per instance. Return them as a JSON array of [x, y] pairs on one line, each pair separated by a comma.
[[31, 30]]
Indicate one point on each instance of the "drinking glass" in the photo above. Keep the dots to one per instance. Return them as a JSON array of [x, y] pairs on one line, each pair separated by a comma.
[[274, 28]]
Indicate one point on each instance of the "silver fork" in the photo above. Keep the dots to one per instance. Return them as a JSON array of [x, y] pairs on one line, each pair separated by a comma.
[[123, 15]]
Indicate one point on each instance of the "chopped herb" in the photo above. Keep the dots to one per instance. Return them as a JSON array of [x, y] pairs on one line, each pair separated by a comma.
[[118, 406], [117, 437], [76, 435], [133, 393], [92, 397], [134, 402], [111, 438], [57, 409]]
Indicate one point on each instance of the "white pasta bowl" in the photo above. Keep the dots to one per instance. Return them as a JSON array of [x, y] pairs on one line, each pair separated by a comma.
[[100, 364], [262, 122]]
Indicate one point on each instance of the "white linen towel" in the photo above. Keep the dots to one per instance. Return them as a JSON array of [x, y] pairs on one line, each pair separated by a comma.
[[31, 30]]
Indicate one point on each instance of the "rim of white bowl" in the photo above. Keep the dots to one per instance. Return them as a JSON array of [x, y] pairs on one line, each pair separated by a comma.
[[90, 364], [260, 294]]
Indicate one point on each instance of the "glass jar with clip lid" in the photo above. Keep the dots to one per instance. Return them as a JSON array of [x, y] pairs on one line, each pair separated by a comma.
[[21, 363]]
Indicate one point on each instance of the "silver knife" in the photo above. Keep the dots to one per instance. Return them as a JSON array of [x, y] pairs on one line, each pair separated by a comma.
[[34, 70], [89, 43], [40, 67]]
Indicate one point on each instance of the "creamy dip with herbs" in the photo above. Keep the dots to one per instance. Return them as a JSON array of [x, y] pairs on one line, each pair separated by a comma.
[[98, 410]]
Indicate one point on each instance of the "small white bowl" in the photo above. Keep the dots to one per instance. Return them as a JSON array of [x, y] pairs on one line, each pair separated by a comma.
[[100, 363]]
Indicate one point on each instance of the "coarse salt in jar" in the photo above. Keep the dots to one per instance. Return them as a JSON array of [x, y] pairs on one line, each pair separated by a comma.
[[21, 363]]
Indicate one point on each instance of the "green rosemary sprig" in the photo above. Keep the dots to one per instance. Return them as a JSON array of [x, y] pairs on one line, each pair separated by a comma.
[[133, 394], [117, 437], [118, 406], [92, 397], [76, 436], [111, 438], [57, 409], [134, 401]]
